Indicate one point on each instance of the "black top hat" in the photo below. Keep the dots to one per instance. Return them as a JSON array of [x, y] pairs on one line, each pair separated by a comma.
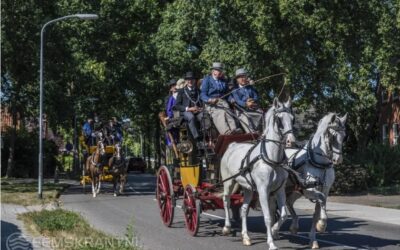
[[189, 75], [171, 82]]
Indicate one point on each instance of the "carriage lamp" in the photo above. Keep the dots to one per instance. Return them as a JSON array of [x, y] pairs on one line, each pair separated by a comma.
[[80, 16]]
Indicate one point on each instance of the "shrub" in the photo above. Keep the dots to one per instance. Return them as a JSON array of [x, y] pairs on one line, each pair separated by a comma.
[[26, 155]]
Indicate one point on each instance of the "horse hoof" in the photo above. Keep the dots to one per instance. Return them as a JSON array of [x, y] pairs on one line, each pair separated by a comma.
[[246, 242], [226, 231], [94, 195], [272, 246], [115, 195], [321, 226], [315, 245]]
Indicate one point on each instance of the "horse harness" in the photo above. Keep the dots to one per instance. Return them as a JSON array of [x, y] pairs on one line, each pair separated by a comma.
[[311, 159], [246, 164]]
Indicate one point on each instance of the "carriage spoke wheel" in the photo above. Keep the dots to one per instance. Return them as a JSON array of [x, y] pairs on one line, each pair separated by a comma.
[[165, 196], [191, 209]]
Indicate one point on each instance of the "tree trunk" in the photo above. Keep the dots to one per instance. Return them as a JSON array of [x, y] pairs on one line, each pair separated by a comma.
[[11, 157]]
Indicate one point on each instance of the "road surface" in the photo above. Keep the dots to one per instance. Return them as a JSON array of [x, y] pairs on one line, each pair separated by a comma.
[[139, 208]]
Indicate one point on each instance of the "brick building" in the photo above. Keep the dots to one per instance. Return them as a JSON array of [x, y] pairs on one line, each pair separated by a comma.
[[389, 120]]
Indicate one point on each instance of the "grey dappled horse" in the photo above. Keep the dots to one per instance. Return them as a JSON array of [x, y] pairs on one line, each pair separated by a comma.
[[119, 169], [93, 166], [265, 175], [315, 163]]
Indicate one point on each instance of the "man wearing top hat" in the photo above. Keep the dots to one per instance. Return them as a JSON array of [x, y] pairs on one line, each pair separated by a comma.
[[246, 100], [189, 104], [214, 87]]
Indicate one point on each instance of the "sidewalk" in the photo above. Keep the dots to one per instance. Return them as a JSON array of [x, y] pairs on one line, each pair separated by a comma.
[[377, 214]]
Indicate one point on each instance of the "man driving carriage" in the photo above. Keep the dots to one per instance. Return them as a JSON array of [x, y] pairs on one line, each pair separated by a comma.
[[245, 99], [213, 93], [88, 134]]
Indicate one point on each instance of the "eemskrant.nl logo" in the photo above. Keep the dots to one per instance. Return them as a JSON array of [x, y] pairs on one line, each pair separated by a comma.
[[18, 241]]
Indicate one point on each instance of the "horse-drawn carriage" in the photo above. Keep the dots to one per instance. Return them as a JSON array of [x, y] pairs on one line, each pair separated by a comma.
[[259, 164], [103, 163], [89, 150]]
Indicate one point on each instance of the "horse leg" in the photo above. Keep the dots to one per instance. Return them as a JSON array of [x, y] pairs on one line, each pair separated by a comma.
[[226, 197], [248, 195], [115, 179], [122, 178], [281, 199], [291, 199], [323, 219], [263, 194], [94, 185], [98, 184], [313, 240]]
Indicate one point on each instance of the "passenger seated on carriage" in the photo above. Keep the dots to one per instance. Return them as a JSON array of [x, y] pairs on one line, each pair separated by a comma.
[[170, 112], [189, 105], [88, 132], [213, 90], [114, 131], [245, 99]]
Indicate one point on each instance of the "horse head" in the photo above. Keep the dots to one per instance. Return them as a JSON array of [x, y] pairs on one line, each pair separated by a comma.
[[336, 135], [330, 135], [280, 118], [117, 152], [100, 147]]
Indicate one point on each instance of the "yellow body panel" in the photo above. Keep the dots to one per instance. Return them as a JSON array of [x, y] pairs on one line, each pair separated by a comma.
[[110, 149], [190, 175]]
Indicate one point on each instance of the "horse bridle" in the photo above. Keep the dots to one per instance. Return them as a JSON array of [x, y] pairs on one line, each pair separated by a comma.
[[277, 120], [332, 132]]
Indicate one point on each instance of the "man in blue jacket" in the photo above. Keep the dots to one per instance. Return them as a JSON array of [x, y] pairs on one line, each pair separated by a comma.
[[246, 99], [88, 132], [213, 88]]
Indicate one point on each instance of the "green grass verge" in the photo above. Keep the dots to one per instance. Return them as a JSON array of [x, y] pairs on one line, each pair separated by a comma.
[[19, 192], [68, 230]]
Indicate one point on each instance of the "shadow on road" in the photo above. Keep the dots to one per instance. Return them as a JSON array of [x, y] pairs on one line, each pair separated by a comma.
[[12, 237]]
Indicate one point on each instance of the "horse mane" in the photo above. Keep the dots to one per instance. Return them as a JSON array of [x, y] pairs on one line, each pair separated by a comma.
[[323, 124], [267, 118]]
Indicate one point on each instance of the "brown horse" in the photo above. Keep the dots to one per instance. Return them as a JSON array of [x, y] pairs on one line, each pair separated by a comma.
[[94, 168], [118, 169]]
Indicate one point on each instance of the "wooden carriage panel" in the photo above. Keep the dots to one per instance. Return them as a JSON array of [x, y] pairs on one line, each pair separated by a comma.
[[223, 141]]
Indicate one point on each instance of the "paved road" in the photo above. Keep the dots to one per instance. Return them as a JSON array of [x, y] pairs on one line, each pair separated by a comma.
[[114, 214]]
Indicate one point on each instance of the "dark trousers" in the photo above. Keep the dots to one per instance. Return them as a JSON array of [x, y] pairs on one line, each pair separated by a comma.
[[191, 120]]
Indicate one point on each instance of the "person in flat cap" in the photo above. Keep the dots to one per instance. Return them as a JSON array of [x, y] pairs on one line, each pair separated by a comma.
[[213, 90], [245, 97], [190, 105]]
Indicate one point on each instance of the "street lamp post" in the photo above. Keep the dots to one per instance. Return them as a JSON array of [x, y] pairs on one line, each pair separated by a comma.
[[81, 16]]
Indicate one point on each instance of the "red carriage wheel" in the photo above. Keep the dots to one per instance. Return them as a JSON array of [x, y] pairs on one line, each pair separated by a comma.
[[165, 196], [191, 209]]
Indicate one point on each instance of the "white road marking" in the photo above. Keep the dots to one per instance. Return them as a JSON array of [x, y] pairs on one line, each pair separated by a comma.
[[133, 190], [288, 233]]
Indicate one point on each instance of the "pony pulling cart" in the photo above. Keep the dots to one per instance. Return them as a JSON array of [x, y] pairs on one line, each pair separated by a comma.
[[251, 161]]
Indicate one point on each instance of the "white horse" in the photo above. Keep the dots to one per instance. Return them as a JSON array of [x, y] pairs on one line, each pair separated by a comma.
[[315, 163], [263, 174]]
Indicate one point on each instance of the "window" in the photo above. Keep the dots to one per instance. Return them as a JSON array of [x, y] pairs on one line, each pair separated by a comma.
[[395, 128], [385, 133], [385, 97]]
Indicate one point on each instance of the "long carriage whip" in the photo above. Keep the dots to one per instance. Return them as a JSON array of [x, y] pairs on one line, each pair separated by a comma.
[[258, 80]]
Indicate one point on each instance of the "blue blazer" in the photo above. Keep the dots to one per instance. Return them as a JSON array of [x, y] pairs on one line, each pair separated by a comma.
[[242, 94], [211, 88]]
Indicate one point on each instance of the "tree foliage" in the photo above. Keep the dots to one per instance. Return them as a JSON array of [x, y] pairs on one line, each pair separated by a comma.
[[336, 54]]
